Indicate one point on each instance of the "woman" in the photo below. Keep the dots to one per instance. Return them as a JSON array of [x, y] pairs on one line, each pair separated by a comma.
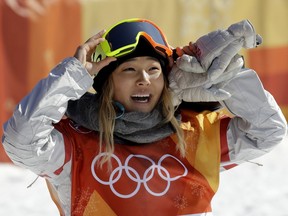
[[125, 150]]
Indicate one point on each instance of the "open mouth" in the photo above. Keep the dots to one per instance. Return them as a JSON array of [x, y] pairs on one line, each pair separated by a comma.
[[141, 98]]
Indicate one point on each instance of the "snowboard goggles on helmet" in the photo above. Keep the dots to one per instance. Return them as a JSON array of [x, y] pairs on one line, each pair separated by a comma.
[[123, 38]]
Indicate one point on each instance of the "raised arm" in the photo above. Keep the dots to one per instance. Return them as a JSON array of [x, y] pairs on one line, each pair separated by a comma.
[[216, 73], [258, 125], [29, 137]]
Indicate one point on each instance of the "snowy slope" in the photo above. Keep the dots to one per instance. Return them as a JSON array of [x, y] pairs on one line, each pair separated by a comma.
[[253, 190]]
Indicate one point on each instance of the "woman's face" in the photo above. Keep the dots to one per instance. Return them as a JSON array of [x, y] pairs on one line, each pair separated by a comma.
[[138, 83]]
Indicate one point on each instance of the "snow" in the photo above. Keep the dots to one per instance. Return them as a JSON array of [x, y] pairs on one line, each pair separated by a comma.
[[255, 190], [249, 189]]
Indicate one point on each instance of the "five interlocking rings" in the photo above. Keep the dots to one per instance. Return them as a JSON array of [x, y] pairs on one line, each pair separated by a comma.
[[134, 175]]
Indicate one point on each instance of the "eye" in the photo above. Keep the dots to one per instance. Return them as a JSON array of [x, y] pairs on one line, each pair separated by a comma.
[[154, 69], [128, 69]]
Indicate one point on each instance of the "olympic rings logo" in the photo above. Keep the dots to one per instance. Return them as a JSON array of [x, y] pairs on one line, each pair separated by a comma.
[[134, 176]]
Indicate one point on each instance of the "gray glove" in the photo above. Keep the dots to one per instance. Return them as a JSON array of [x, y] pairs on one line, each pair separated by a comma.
[[216, 49], [200, 87], [200, 78]]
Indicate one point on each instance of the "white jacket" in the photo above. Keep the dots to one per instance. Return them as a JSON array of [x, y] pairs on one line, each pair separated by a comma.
[[31, 141]]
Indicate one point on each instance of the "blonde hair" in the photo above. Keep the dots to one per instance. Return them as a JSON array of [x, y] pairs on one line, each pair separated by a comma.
[[107, 116]]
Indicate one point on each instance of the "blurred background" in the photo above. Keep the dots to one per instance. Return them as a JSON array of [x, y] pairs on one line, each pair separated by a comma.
[[36, 34]]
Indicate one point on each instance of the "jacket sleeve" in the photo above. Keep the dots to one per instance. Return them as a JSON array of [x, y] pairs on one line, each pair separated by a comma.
[[258, 124], [29, 137]]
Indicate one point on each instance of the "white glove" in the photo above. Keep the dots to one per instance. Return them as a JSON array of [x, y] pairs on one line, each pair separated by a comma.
[[215, 50], [200, 78], [199, 87]]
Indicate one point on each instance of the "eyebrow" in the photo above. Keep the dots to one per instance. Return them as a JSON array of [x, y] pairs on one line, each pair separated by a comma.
[[146, 57]]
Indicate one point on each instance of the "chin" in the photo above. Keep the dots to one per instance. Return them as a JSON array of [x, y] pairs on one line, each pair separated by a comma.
[[141, 109]]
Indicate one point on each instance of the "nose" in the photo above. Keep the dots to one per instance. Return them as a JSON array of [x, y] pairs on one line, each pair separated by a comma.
[[144, 78]]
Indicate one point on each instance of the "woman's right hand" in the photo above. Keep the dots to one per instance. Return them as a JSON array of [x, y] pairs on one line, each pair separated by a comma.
[[85, 51]]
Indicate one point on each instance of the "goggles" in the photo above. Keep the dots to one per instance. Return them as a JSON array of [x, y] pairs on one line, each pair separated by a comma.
[[122, 39]]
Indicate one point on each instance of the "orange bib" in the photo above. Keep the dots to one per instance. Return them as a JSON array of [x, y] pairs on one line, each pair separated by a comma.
[[146, 179]]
